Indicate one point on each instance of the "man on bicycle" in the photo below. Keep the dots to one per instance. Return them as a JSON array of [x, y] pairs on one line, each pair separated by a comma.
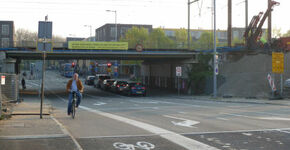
[[74, 85]]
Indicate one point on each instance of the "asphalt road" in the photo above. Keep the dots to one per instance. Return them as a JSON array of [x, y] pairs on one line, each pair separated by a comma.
[[108, 121]]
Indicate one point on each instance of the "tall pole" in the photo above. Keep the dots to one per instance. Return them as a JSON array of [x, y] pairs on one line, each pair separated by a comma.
[[188, 19], [246, 13], [90, 32], [188, 27], [42, 84], [229, 23], [116, 38], [269, 22], [246, 18], [90, 26], [214, 58]]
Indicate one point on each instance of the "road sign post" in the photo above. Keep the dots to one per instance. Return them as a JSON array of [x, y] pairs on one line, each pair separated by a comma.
[[278, 67], [178, 74]]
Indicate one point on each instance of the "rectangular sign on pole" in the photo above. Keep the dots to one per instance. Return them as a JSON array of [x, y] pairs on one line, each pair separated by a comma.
[[44, 29], [98, 45], [178, 71], [277, 62], [2, 80]]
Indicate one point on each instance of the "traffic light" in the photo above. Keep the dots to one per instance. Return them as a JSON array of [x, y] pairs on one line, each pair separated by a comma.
[[109, 65], [73, 64]]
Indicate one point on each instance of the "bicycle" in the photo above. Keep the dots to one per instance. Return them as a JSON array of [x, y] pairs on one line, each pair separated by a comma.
[[73, 105]]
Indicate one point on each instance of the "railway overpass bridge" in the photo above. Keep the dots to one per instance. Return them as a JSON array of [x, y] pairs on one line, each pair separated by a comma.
[[158, 66]]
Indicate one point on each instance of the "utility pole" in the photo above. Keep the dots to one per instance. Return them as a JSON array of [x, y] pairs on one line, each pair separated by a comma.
[[188, 28], [246, 14], [214, 55], [246, 18], [90, 26], [229, 23], [269, 22]]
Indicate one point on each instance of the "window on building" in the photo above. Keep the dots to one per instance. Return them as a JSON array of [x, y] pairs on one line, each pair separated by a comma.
[[124, 30], [5, 29], [169, 33], [104, 34], [5, 42], [236, 34], [113, 32]]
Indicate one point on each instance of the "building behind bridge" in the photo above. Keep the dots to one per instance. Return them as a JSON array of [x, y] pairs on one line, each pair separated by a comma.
[[107, 32], [6, 34]]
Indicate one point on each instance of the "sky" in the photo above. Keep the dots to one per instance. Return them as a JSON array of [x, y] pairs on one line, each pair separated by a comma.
[[69, 17]]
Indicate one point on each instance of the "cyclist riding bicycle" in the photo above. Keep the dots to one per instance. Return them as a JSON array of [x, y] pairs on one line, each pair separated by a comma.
[[74, 85]]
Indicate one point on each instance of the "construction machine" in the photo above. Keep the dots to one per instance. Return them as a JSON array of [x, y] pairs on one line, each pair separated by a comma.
[[253, 32]]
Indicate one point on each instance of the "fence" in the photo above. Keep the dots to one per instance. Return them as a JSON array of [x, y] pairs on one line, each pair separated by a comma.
[[169, 83]]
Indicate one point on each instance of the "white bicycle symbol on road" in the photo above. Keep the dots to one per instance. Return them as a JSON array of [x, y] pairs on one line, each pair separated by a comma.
[[139, 145]]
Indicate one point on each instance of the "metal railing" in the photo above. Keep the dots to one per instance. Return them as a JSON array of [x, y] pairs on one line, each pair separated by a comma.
[[9, 88]]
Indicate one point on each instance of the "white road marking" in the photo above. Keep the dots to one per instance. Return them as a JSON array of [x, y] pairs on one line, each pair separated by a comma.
[[184, 123], [247, 134], [100, 103], [144, 102], [23, 137], [117, 136], [283, 131], [261, 118], [236, 131], [222, 118], [169, 135], [275, 118], [65, 131]]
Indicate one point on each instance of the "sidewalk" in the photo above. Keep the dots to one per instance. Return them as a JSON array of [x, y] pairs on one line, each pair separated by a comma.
[[25, 129]]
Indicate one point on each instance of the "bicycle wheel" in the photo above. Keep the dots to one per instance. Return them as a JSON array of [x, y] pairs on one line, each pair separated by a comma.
[[145, 145], [73, 111]]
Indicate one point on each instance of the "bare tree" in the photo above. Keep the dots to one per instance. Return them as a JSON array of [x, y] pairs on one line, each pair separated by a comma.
[[26, 38]]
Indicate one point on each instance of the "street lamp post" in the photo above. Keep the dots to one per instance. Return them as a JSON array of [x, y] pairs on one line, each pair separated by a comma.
[[214, 55], [188, 29], [90, 31], [116, 31]]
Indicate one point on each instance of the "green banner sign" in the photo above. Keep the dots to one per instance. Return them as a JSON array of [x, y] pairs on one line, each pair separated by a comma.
[[98, 45]]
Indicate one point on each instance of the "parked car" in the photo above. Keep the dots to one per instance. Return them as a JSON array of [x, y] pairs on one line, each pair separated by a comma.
[[287, 84], [99, 79], [107, 83], [118, 86], [134, 88], [90, 80]]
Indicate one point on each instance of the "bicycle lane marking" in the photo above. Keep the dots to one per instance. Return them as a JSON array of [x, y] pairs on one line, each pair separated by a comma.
[[65, 131], [166, 134]]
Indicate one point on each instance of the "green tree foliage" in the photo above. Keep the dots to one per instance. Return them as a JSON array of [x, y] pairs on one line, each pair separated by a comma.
[[136, 36], [181, 38], [238, 41], [287, 34], [198, 73], [276, 32], [206, 41], [25, 37], [158, 39]]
